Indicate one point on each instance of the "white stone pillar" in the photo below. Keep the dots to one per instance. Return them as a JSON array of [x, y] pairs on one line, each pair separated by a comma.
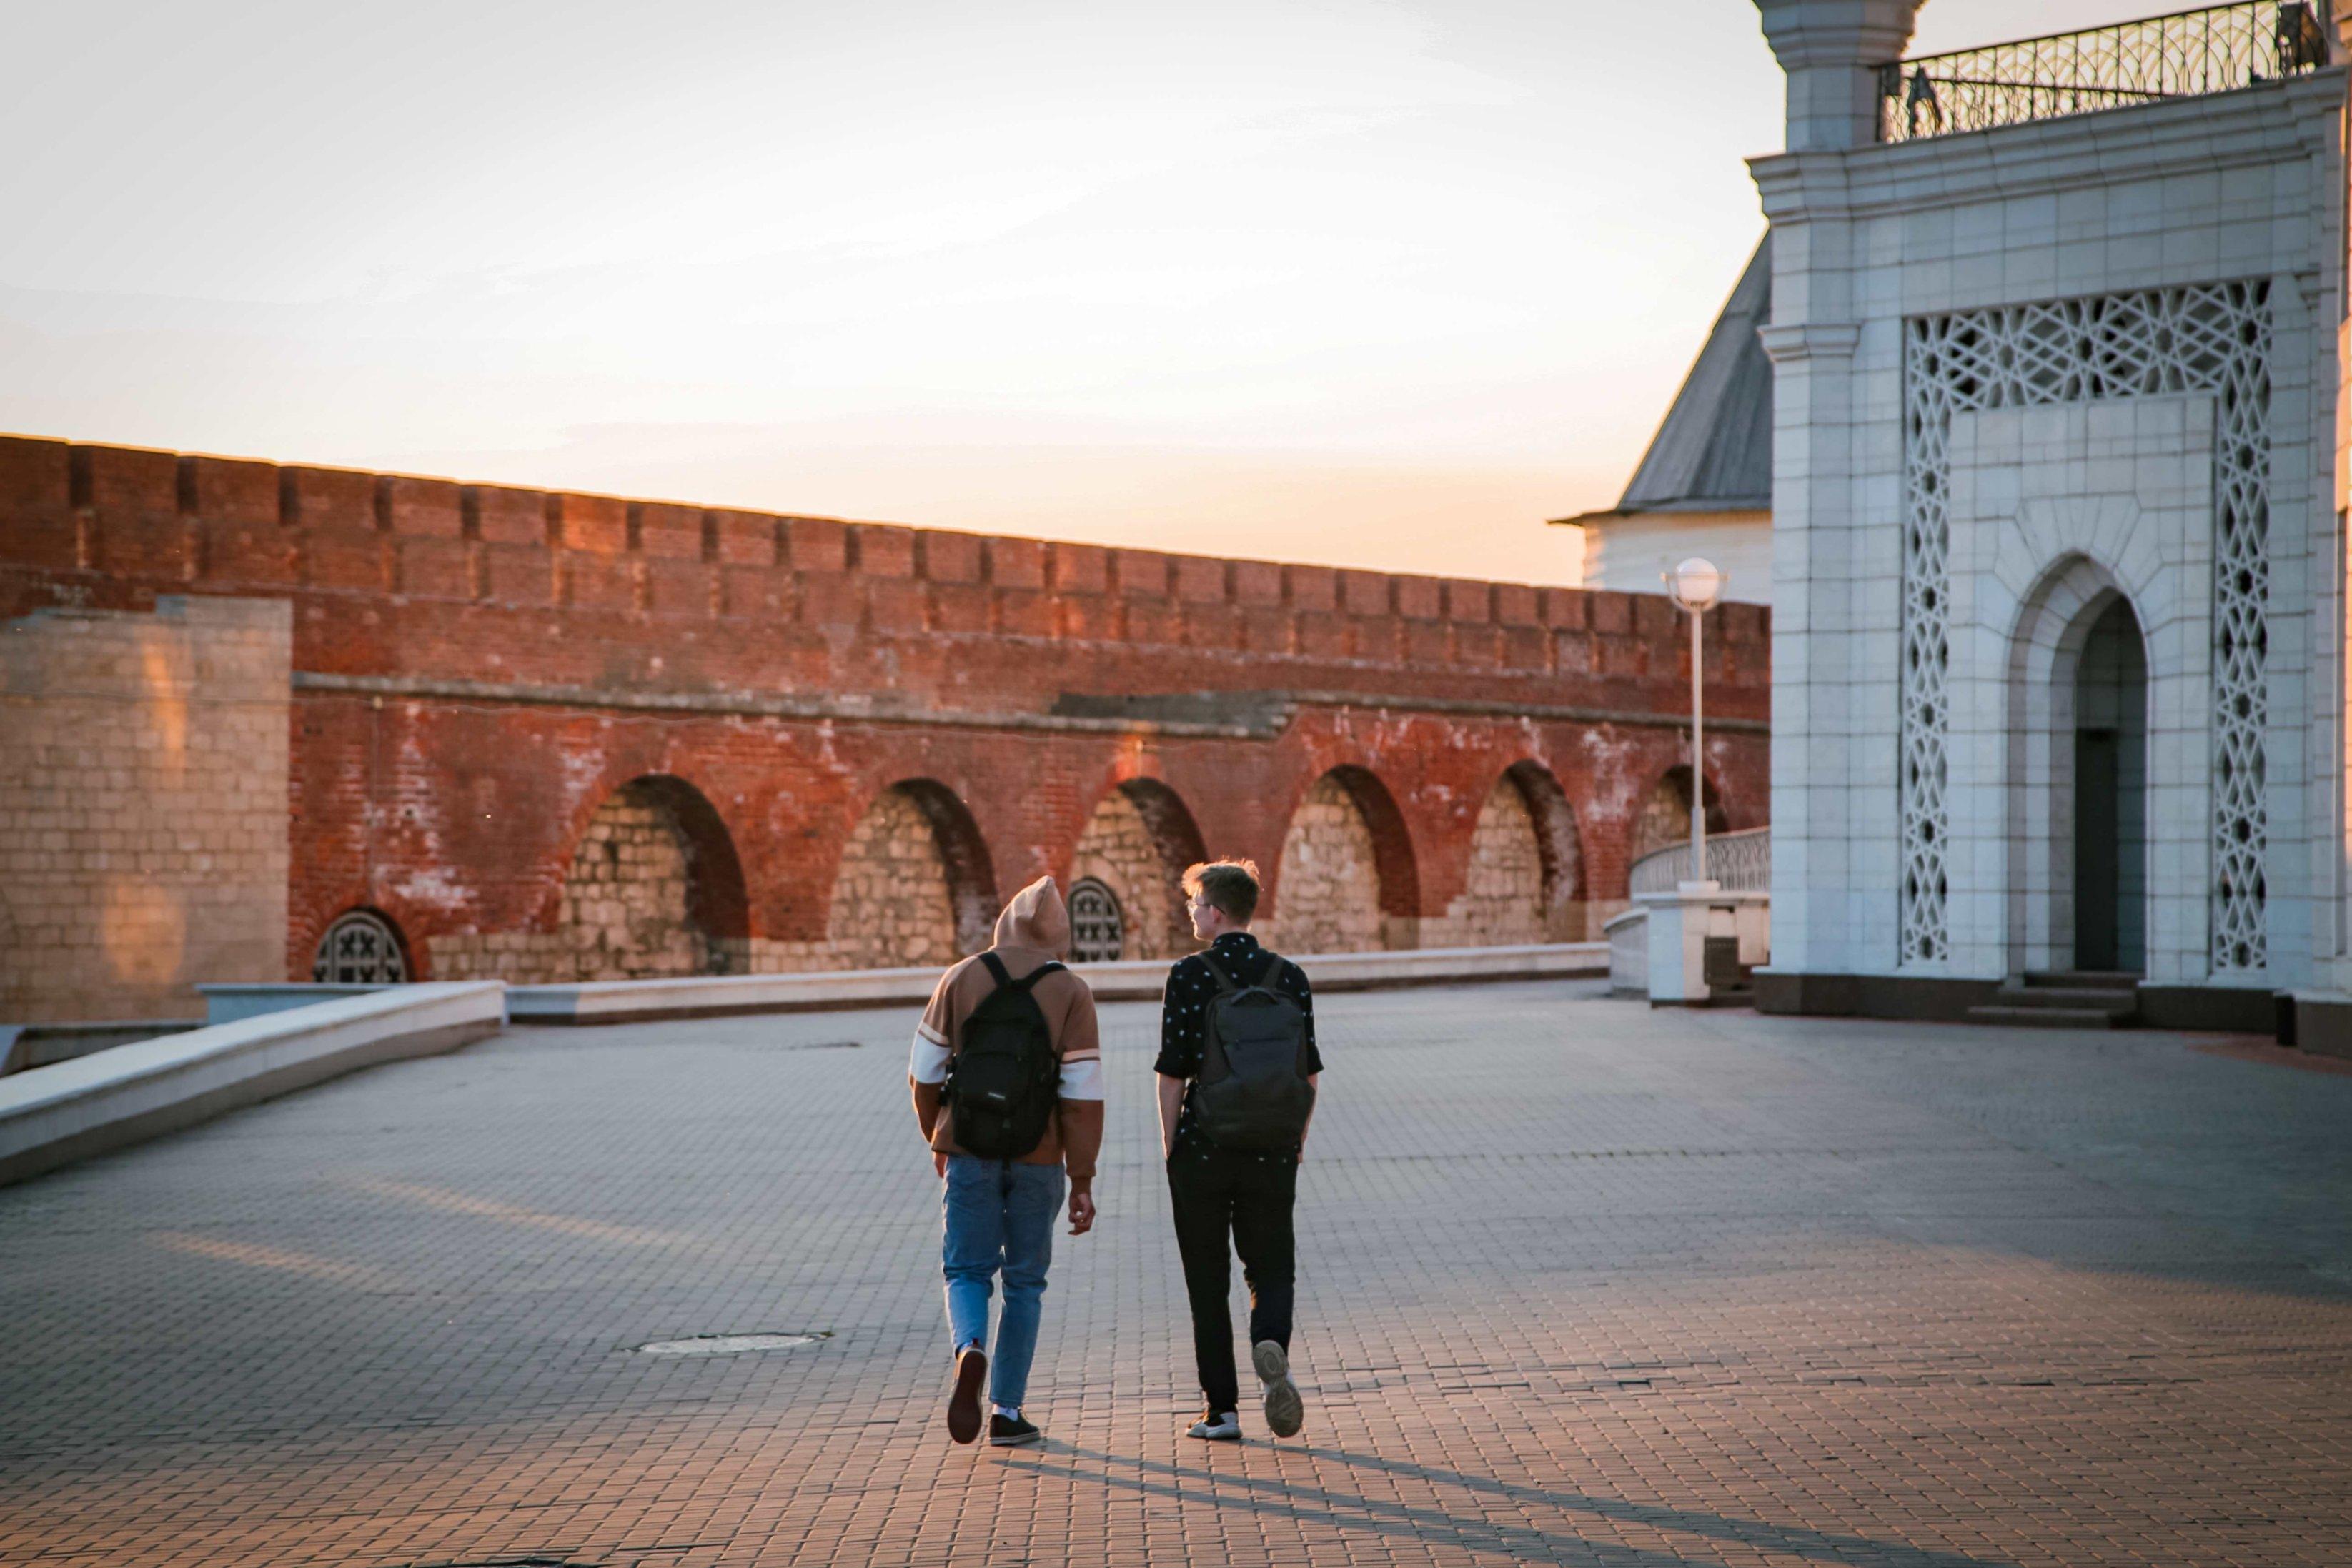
[[1831, 50], [1678, 925]]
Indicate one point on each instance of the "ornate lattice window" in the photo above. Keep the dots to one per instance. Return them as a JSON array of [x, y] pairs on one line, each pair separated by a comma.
[[1098, 930], [360, 948], [2213, 338]]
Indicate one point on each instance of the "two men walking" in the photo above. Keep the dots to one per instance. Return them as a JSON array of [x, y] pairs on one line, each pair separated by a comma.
[[1006, 1075]]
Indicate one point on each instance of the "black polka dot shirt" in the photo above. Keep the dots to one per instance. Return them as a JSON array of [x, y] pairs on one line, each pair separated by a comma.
[[1190, 989]]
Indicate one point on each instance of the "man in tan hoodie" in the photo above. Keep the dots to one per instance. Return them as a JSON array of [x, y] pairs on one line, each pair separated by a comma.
[[999, 1213]]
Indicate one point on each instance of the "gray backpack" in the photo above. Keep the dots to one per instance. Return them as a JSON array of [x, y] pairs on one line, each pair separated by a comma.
[[1252, 1093]]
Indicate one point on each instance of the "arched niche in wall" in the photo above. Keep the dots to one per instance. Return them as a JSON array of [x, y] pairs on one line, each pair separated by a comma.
[[915, 885], [1137, 842], [1347, 880]]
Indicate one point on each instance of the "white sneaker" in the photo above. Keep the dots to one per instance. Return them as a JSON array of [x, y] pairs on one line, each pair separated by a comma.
[[1286, 1412], [1217, 1427]]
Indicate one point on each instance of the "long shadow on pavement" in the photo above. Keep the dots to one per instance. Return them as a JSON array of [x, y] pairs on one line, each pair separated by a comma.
[[1348, 1510]]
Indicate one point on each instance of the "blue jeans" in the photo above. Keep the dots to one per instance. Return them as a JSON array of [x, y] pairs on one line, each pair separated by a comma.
[[1000, 1214]]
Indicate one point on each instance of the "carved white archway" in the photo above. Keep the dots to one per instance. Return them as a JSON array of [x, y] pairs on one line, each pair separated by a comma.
[[2045, 658]]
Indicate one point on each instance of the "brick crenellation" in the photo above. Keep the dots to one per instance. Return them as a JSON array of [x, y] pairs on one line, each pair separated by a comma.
[[546, 735]]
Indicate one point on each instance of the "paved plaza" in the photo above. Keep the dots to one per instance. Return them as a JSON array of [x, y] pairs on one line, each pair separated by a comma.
[[1580, 1282]]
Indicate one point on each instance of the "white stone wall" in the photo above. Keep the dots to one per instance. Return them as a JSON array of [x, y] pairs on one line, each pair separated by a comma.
[[1629, 554], [143, 781], [2107, 487], [2038, 543]]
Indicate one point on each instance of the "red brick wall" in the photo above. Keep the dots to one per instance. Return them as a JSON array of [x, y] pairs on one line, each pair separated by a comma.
[[489, 657]]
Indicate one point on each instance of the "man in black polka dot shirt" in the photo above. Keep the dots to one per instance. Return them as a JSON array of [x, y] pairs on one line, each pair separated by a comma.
[[1218, 1192]]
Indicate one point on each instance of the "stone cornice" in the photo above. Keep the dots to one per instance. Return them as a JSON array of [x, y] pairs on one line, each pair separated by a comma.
[[1271, 717], [1786, 343], [2274, 123]]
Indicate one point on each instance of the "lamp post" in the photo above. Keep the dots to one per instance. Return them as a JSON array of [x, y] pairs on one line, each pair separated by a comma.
[[1696, 585]]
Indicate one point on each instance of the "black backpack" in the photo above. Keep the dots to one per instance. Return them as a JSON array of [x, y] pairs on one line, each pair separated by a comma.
[[1004, 1078], [1252, 1093]]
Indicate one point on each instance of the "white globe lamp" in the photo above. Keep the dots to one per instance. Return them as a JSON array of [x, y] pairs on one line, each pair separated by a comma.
[[1696, 585]]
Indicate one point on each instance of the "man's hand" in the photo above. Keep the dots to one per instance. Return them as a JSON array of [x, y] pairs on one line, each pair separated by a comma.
[[1082, 1209], [1172, 1108], [939, 1165]]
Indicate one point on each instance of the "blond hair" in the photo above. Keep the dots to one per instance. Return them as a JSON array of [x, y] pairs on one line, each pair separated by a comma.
[[1230, 886]]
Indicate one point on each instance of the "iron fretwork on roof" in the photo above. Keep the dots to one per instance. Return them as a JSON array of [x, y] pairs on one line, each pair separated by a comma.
[[2185, 55]]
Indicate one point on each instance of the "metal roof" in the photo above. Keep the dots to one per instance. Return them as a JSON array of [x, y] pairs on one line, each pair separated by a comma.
[[1714, 452]]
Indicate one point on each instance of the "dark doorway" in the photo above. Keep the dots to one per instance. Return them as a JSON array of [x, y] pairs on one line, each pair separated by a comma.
[[2097, 851], [2111, 796]]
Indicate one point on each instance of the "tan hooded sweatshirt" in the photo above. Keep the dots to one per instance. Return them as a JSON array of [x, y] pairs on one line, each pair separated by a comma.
[[1034, 929]]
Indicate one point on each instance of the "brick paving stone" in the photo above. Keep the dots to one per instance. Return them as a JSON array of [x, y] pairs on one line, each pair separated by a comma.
[[1580, 1282]]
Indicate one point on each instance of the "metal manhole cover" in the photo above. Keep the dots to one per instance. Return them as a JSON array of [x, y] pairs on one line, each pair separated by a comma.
[[731, 1344]]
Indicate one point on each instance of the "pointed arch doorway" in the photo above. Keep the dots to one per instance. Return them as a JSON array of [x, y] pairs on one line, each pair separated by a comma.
[[2079, 779]]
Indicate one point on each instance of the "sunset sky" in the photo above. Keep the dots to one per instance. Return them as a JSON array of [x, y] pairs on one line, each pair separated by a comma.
[[1378, 284]]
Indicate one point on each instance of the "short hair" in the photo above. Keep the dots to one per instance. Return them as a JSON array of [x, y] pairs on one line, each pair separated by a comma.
[[1230, 886]]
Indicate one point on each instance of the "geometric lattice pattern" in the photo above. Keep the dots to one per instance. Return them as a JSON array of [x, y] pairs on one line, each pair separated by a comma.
[[359, 949], [1097, 927], [2185, 54], [2213, 338]]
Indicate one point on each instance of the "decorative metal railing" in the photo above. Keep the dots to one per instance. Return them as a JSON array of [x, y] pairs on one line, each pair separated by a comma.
[[2185, 55], [1741, 861]]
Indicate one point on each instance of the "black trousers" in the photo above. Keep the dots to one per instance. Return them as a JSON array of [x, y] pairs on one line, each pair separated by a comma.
[[1217, 1193]]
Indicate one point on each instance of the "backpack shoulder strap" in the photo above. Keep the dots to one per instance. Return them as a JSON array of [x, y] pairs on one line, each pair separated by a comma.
[[997, 967], [1226, 986], [1034, 975]]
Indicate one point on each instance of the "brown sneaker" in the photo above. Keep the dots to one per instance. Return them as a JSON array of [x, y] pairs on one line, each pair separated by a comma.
[[963, 1405]]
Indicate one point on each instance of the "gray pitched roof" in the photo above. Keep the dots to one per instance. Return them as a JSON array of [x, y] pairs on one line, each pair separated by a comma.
[[1714, 452]]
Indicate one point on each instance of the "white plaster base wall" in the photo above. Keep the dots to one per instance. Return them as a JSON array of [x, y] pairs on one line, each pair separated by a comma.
[[1628, 935], [54, 1115], [632, 1001]]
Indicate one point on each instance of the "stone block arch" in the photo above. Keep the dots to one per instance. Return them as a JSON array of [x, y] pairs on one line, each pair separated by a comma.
[[717, 901], [1560, 843], [652, 890], [1663, 818], [1348, 881], [1136, 842], [915, 886], [1524, 882]]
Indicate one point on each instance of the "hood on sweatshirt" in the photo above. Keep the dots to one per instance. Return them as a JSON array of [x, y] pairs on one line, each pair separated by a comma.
[[1036, 918]]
